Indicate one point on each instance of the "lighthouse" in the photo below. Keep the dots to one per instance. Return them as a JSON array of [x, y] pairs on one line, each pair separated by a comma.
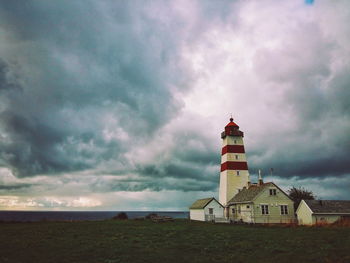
[[234, 173]]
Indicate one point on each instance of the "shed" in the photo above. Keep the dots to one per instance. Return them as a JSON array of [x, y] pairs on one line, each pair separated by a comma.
[[206, 209], [310, 212]]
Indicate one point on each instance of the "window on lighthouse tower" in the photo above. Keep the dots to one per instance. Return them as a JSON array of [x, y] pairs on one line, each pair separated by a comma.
[[237, 173]]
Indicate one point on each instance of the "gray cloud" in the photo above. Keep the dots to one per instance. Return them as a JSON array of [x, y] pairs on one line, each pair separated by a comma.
[[122, 64], [14, 187]]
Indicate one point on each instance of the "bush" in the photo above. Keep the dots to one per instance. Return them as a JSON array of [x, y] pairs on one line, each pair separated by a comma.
[[121, 216], [151, 215]]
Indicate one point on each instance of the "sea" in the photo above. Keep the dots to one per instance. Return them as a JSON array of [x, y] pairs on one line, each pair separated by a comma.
[[35, 216]]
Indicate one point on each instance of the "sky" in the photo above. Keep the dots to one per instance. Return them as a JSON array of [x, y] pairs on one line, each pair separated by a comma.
[[118, 105]]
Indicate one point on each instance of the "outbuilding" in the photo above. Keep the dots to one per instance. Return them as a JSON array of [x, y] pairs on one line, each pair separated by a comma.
[[311, 212], [206, 209]]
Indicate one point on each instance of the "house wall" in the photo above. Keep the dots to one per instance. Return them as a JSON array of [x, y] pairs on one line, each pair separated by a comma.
[[304, 214], [324, 219], [203, 214], [218, 210], [243, 212], [197, 214], [274, 203]]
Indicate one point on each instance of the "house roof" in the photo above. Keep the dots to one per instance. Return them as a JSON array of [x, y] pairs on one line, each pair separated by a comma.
[[249, 194], [329, 206], [202, 203]]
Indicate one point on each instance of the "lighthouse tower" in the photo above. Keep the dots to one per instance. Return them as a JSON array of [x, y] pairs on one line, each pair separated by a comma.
[[234, 173]]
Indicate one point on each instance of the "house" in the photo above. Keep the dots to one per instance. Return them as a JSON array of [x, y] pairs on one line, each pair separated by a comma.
[[261, 203], [310, 212], [207, 209]]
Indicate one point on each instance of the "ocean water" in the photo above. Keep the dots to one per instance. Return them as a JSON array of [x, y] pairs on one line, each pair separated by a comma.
[[34, 216]]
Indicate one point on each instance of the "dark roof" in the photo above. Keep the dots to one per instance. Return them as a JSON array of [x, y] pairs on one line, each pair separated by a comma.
[[201, 203], [249, 194], [329, 206]]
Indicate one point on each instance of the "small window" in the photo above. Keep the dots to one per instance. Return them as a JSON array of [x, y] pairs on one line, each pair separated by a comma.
[[264, 209], [211, 211], [239, 209], [248, 206], [233, 210], [235, 141], [284, 210], [236, 156], [272, 191], [237, 172]]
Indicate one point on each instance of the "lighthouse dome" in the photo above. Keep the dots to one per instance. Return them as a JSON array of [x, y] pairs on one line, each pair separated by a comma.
[[231, 129], [231, 124]]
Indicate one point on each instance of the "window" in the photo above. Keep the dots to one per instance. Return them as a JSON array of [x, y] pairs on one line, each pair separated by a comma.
[[284, 210], [235, 141], [265, 209], [272, 191], [239, 209], [248, 206], [236, 156], [237, 172], [210, 211], [233, 210]]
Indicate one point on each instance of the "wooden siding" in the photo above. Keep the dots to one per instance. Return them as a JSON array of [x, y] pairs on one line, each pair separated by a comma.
[[304, 214], [203, 214], [253, 213]]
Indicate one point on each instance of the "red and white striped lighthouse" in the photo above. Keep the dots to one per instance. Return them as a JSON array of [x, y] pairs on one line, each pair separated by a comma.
[[234, 173]]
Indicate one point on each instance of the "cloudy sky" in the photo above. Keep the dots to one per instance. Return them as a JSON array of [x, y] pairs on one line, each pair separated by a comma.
[[119, 105]]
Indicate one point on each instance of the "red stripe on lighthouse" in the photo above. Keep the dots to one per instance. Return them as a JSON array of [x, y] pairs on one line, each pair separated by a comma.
[[232, 149], [234, 166]]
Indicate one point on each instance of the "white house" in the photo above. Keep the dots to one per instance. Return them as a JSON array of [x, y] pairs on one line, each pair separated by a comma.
[[207, 209], [310, 212]]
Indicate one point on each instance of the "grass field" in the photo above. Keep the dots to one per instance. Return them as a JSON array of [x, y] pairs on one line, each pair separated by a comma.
[[179, 241]]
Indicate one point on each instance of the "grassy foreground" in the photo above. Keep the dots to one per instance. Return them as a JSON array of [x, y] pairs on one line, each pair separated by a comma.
[[179, 241]]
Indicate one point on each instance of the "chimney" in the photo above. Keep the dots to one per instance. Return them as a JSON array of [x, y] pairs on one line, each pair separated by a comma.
[[260, 179]]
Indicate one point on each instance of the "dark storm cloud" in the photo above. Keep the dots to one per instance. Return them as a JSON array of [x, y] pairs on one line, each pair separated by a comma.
[[193, 158], [14, 187], [153, 185], [75, 62]]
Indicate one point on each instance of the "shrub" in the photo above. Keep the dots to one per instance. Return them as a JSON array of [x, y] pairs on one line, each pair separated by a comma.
[[121, 216], [151, 215]]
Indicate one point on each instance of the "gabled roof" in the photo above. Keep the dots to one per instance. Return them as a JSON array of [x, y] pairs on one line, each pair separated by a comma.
[[329, 206], [202, 203], [249, 194]]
